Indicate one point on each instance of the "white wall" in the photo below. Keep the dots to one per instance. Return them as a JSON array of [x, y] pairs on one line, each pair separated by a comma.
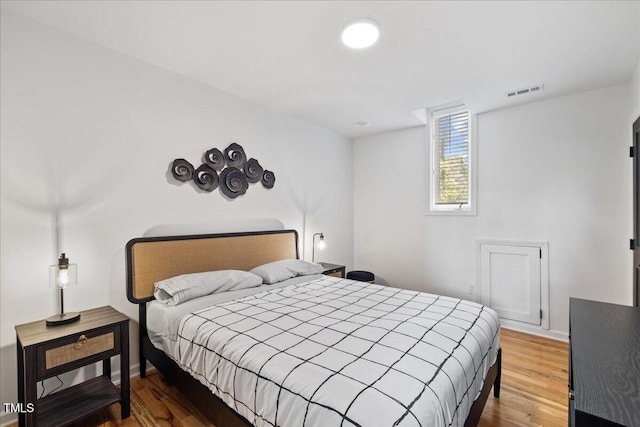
[[555, 171], [93, 132], [634, 89]]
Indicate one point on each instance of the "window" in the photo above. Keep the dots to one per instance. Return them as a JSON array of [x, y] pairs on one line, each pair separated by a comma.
[[452, 162]]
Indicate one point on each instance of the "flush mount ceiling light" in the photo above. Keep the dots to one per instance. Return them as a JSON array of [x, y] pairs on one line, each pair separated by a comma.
[[361, 33]]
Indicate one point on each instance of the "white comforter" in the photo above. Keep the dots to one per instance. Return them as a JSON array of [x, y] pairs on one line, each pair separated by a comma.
[[335, 352]]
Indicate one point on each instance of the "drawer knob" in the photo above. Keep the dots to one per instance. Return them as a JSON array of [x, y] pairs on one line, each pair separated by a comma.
[[81, 340]]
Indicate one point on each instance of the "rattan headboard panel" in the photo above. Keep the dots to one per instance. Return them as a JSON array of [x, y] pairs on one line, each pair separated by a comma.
[[156, 258]]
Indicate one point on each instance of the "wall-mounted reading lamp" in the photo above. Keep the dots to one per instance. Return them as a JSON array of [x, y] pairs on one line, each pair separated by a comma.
[[321, 245]]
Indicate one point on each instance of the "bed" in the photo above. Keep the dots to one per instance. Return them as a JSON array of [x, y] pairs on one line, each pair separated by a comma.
[[312, 350]]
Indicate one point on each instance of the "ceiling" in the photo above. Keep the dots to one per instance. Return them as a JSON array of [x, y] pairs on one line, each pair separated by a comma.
[[287, 55]]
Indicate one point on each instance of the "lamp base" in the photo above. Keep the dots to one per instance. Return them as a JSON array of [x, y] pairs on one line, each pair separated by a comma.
[[62, 319]]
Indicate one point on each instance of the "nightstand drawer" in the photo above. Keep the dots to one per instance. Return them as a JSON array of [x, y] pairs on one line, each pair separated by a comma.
[[80, 349], [77, 349], [334, 270]]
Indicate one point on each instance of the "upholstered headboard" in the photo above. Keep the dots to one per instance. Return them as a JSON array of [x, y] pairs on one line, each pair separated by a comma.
[[150, 259]]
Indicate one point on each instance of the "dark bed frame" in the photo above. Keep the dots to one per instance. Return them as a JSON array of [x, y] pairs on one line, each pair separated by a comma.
[[168, 255]]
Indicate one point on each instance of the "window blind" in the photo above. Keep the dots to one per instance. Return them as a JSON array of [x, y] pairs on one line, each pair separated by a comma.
[[451, 158]]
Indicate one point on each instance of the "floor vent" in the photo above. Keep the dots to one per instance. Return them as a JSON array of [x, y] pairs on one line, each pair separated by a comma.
[[512, 93]]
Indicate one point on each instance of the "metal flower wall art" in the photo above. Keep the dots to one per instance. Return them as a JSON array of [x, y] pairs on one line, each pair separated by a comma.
[[229, 169]]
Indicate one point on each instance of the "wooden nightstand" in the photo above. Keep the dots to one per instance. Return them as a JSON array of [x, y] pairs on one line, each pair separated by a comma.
[[333, 269], [46, 351]]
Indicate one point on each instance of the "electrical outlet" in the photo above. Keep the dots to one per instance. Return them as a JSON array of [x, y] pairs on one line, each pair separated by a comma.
[[472, 289]]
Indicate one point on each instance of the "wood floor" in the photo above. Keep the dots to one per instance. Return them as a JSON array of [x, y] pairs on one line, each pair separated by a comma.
[[533, 392], [534, 383]]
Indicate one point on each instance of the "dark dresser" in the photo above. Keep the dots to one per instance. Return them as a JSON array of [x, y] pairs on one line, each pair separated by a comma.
[[604, 364]]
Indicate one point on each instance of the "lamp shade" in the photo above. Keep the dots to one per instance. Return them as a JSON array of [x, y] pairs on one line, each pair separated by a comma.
[[63, 277]]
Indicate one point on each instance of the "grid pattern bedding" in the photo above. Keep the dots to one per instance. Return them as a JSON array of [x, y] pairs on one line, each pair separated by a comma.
[[335, 352]]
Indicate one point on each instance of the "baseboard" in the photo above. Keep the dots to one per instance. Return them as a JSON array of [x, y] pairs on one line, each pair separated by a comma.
[[9, 417], [6, 419], [532, 330]]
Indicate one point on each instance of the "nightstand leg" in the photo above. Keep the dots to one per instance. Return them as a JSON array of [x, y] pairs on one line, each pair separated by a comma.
[[21, 417], [125, 404], [106, 367], [30, 403]]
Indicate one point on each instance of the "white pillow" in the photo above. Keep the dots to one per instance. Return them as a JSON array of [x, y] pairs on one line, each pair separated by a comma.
[[278, 271], [182, 288]]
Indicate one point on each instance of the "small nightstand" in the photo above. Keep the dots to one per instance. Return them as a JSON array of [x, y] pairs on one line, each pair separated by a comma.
[[333, 269], [46, 351]]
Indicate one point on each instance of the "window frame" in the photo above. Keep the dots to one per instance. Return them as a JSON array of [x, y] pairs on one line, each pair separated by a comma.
[[471, 207]]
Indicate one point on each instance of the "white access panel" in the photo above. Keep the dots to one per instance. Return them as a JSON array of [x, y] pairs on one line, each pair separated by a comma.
[[511, 280]]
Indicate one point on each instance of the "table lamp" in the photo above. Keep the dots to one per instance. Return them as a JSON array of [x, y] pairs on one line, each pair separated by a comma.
[[321, 245], [62, 275]]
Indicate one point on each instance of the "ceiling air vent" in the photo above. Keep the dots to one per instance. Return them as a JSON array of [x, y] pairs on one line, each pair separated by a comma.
[[512, 93]]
